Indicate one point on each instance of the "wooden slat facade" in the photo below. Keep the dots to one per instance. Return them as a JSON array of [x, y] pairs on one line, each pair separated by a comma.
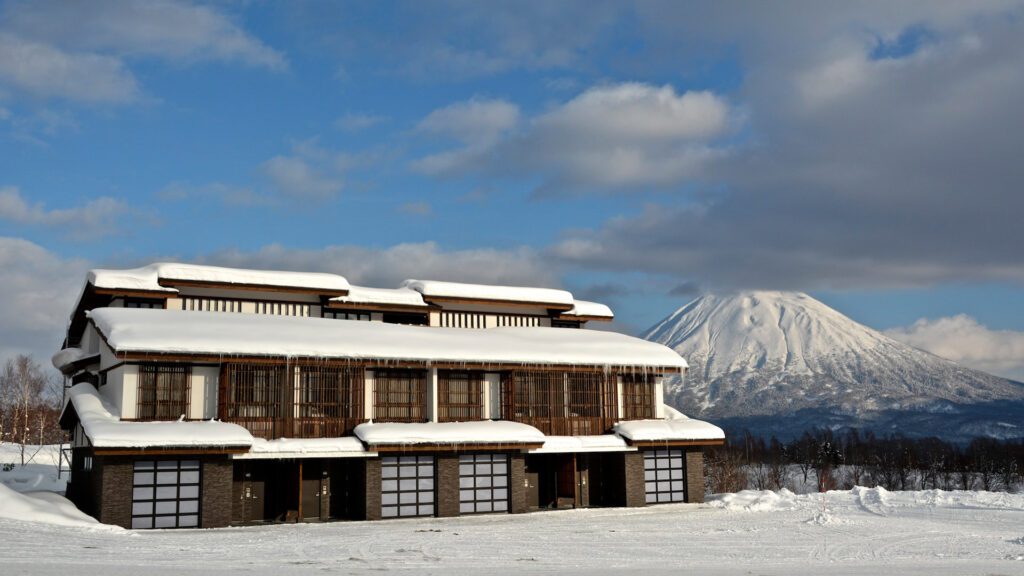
[[460, 395], [164, 391], [560, 403], [399, 395]]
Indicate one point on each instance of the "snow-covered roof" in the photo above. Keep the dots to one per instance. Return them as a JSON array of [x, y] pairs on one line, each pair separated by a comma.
[[675, 426], [384, 296], [565, 444], [593, 309], [437, 289], [484, 432], [67, 357], [345, 446], [148, 278], [105, 430], [188, 332]]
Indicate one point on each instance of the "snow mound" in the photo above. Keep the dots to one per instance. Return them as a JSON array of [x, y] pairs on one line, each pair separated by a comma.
[[46, 507], [755, 501]]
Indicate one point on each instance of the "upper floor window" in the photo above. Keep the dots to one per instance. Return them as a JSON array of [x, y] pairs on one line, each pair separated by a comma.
[[460, 395], [346, 315], [560, 403], [411, 318], [143, 303], [163, 391], [566, 324], [399, 395], [638, 396]]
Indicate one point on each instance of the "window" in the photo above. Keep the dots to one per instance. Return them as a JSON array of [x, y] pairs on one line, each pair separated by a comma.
[[330, 401], [253, 396], [163, 391], [87, 463], [560, 403], [459, 395], [480, 320], [638, 396], [664, 476], [566, 324], [400, 395], [165, 494], [210, 304], [346, 315], [410, 318], [483, 483], [407, 486], [143, 303]]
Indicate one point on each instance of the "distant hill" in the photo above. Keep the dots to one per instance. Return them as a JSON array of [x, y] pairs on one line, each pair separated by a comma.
[[782, 362]]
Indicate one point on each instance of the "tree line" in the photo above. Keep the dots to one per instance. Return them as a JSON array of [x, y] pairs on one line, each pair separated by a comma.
[[854, 458], [30, 403]]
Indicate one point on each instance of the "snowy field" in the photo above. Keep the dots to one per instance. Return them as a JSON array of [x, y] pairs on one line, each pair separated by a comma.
[[861, 531]]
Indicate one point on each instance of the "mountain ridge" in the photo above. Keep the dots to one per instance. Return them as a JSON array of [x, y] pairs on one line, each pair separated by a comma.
[[760, 354]]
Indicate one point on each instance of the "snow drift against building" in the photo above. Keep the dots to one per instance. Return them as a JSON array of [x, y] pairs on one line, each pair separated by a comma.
[[160, 331]]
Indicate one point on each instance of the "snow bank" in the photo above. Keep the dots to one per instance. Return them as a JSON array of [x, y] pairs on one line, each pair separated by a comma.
[[68, 356], [393, 296], [148, 277], [565, 444], [486, 432], [486, 292], [105, 430], [45, 507], [140, 330], [755, 501], [585, 308], [308, 447], [675, 426]]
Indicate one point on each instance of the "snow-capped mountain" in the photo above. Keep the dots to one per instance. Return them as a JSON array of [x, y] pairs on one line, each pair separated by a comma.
[[783, 362]]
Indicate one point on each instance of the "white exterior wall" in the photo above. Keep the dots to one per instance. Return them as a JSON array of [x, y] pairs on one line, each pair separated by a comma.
[[432, 395], [174, 303], [659, 397], [203, 390], [368, 395], [492, 396], [122, 389], [620, 396]]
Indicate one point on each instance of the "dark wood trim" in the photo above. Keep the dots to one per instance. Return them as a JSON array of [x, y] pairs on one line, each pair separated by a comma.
[[449, 447], [374, 364], [342, 306], [197, 450], [585, 318], [673, 443], [495, 302], [172, 282]]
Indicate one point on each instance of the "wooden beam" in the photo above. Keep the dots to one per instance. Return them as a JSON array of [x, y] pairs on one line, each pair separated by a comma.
[[172, 282], [497, 302]]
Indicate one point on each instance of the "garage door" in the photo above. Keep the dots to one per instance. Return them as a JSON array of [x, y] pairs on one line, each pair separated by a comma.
[[407, 486], [664, 473], [165, 494], [483, 483]]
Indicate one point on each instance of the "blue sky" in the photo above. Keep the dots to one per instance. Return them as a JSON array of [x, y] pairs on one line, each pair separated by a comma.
[[638, 154]]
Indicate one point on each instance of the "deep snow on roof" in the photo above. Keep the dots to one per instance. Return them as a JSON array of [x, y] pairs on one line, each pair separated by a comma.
[[586, 308], [440, 289], [675, 426], [105, 430], [392, 296], [483, 432], [164, 331], [148, 277]]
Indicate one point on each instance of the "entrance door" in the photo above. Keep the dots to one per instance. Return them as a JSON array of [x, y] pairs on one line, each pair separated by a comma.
[[567, 482], [312, 484], [249, 488]]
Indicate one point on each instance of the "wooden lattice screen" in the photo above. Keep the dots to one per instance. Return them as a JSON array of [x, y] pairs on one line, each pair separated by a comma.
[[164, 391], [560, 403], [638, 396], [459, 395], [400, 395]]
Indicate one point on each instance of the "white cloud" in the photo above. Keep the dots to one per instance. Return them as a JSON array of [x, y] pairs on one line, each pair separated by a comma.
[[40, 288], [94, 219], [618, 136], [297, 177], [227, 194], [46, 71], [962, 339], [81, 52]]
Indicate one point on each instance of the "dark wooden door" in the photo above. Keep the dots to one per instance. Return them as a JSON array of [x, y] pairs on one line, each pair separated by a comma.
[[567, 481], [248, 491], [312, 477]]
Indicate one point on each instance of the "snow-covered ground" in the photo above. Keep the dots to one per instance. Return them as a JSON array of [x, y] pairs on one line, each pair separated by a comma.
[[859, 531]]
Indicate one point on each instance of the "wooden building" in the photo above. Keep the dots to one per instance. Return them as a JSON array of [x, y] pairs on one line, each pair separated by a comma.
[[207, 397]]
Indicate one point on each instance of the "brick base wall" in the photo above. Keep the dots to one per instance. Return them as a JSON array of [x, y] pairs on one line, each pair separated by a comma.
[[216, 495], [634, 479], [517, 484], [447, 488], [695, 475], [373, 489], [115, 489]]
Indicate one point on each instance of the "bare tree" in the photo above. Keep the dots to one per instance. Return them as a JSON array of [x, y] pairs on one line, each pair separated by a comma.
[[29, 401]]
